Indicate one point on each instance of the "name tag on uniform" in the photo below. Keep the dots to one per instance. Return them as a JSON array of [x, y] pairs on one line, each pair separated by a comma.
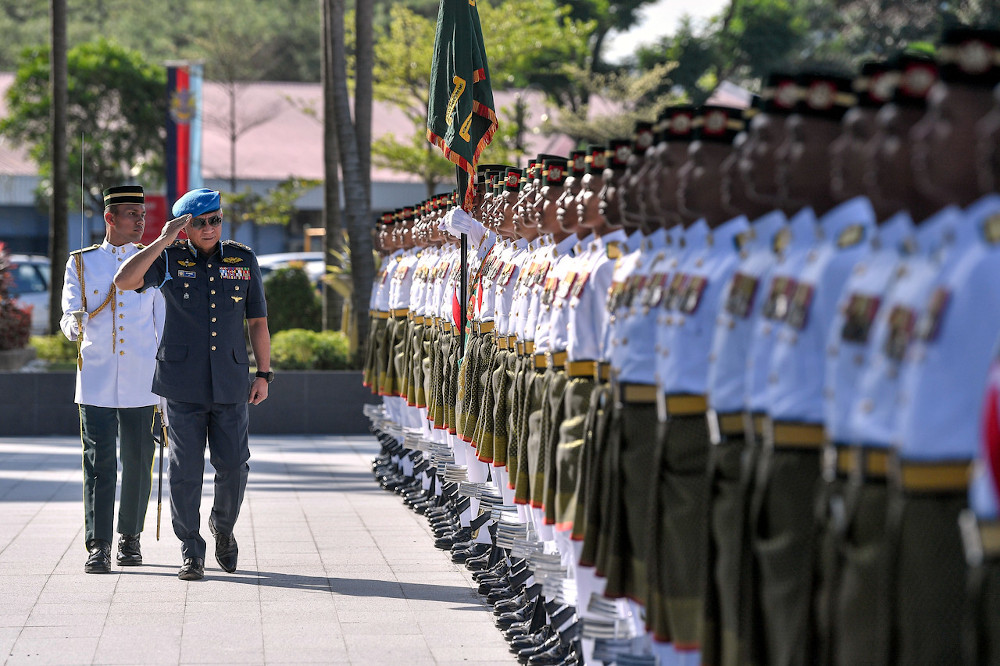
[[234, 273], [190, 274]]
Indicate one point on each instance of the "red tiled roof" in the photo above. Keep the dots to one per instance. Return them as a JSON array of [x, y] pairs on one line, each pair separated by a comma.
[[284, 139]]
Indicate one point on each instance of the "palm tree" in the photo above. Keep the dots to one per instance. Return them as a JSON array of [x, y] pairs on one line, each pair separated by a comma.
[[349, 146]]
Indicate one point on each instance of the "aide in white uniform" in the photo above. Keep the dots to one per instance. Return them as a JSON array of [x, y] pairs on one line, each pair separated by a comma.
[[121, 332]]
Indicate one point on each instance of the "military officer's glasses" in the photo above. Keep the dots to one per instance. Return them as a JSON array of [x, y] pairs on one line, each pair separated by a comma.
[[199, 222]]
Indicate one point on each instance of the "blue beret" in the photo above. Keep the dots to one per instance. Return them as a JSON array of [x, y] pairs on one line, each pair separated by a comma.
[[197, 202]]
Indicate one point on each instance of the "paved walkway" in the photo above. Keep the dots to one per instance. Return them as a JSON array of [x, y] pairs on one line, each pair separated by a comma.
[[332, 570]]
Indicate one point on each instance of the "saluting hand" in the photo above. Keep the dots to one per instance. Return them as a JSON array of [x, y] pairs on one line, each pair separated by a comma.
[[174, 226], [258, 391]]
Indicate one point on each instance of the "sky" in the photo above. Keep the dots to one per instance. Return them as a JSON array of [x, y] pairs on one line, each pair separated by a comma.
[[658, 19]]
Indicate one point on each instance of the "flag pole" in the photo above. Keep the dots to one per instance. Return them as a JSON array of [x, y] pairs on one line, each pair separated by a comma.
[[463, 292]]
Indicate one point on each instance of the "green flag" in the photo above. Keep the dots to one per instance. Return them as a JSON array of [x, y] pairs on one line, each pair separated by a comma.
[[461, 119]]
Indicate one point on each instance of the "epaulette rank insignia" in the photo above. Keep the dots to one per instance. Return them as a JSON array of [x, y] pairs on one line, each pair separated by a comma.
[[991, 229], [179, 242], [185, 263], [233, 260], [237, 244], [614, 250], [850, 236], [85, 249], [781, 240]]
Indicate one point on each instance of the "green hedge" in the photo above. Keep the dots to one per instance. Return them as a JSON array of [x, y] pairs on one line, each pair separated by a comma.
[[292, 301], [54, 348], [299, 349]]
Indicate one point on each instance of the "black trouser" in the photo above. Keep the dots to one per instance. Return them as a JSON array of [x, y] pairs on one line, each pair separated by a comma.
[[100, 427], [225, 427]]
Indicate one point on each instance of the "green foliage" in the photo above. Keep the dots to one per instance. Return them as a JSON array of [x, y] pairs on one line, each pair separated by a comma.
[[278, 206], [54, 348], [292, 301], [15, 322], [299, 349], [116, 110]]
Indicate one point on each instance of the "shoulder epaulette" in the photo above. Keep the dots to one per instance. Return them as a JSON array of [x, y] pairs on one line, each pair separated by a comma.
[[85, 249], [991, 229], [614, 250], [237, 244], [851, 236], [180, 242]]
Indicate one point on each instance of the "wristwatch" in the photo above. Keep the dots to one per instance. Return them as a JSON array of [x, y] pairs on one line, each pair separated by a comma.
[[269, 375]]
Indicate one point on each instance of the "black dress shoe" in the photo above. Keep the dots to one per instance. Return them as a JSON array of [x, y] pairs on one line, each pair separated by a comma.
[[99, 560], [192, 569], [226, 550], [129, 554]]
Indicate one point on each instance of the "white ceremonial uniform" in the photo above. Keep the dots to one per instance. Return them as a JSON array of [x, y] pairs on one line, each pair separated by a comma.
[[588, 311], [792, 249], [740, 309], [848, 343], [119, 354], [873, 417], [795, 384]]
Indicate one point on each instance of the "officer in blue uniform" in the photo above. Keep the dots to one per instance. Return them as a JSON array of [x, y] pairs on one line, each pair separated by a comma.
[[210, 287]]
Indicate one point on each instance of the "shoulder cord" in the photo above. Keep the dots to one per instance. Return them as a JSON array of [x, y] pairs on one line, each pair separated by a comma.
[[107, 299]]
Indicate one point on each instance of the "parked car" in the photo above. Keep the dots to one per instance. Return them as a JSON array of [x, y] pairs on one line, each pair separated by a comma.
[[312, 262], [32, 274]]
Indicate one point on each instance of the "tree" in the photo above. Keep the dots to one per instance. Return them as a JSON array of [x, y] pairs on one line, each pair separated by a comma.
[[115, 104], [357, 204]]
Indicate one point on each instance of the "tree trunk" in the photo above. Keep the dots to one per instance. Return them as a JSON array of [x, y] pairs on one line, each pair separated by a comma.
[[58, 233], [356, 202], [332, 303], [364, 65]]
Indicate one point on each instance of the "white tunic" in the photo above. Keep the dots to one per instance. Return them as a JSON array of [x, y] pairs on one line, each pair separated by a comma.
[[120, 341]]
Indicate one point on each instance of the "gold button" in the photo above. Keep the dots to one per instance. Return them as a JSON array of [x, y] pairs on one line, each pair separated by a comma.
[[237, 287], [121, 259], [211, 279], [213, 305], [121, 316], [121, 328], [121, 293], [213, 292], [122, 340], [214, 334], [96, 292], [213, 347], [213, 320], [121, 353], [121, 305], [186, 285], [210, 265]]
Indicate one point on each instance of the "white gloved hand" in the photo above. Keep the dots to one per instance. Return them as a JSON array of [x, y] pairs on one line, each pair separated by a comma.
[[163, 411], [457, 222], [79, 322]]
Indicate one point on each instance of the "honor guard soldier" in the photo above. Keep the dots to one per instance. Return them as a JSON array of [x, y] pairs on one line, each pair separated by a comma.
[[210, 287], [855, 569], [946, 361], [740, 307], [117, 335], [683, 342]]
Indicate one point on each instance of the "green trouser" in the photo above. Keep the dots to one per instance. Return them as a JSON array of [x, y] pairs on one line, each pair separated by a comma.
[[375, 331], [483, 433], [929, 568], [594, 483], [500, 381], [625, 557], [723, 566], [552, 419], [538, 426], [516, 400], [453, 344], [469, 387], [384, 357], [531, 416], [983, 588], [784, 534], [415, 387], [860, 626], [100, 427], [829, 563], [677, 546], [569, 451]]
